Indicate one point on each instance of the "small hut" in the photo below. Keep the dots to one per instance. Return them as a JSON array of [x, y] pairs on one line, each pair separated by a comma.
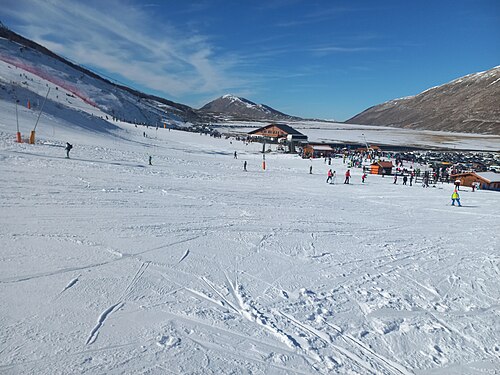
[[381, 167], [317, 151]]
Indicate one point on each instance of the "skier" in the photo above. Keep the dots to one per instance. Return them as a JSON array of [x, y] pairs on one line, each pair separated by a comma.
[[457, 184], [235, 155], [347, 176], [330, 175], [245, 165], [395, 179], [150, 159], [68, 149], [334, 177], [311, 169], [455, 197], [411, 179], [363, 178], [405, 179]]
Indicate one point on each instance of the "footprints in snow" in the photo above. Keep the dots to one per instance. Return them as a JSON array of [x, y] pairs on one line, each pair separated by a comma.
[[168, 342]]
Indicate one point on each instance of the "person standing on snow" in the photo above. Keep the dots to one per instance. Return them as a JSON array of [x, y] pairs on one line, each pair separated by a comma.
[[363, 178], [347, 176], [235, 155], [330, 175], [150, 159], [455, 197], [395, 179], [245, 165], [68, 149], [457, 184], [311, 169], [405, 179]]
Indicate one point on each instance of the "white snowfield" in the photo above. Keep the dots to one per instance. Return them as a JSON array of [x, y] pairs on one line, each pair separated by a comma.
[[193, 266]]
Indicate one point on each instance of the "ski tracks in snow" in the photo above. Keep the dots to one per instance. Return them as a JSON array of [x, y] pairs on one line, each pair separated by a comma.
[[184, 256], [100, 321], [71, 283], [118, 305], [302, 341]]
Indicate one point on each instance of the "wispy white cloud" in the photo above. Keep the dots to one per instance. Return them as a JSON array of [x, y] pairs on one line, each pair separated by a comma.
[[333, 49], [121, 38], [319, 14]]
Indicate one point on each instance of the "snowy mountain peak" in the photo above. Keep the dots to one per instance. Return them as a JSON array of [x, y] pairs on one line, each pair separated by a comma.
[[240, 108]]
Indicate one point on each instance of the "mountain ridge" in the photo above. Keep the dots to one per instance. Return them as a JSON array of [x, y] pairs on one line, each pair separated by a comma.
[[238, 108], [468, 104]]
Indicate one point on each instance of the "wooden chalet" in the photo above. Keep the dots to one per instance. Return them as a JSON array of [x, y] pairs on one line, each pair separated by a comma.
[[281, 133], [486, 180], [317, 150], [275, 132], [381, 167]]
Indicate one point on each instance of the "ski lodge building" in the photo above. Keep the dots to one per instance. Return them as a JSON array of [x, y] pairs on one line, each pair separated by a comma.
[[486, 180], [277, 132], [280, 133]]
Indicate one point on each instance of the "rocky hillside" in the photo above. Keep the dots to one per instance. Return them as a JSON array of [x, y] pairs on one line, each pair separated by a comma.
[[236, 108], [470, 104]]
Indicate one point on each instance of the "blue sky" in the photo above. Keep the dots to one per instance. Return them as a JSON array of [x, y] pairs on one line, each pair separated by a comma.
[[317, 59]]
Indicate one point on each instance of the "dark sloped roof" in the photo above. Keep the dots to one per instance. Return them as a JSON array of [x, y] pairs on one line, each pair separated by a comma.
[[384, 164], [286, 128]]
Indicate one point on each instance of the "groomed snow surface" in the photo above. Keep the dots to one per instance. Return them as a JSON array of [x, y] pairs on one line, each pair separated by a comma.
[[193, 266]]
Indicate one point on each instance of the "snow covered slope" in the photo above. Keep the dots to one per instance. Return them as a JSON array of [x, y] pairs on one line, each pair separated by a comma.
[[82, 87], [193, 266]]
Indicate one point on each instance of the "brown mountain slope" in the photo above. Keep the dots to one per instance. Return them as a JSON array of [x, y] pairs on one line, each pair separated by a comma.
[[469, 104]]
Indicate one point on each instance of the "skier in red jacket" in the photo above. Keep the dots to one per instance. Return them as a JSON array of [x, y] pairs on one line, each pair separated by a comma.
[[347, 176]]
